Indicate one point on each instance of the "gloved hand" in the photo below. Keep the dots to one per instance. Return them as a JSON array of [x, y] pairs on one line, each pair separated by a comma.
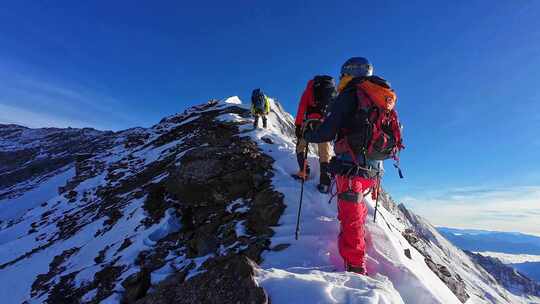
[[298, 132]]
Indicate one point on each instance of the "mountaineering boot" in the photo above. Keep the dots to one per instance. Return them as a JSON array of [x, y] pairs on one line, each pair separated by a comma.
[[300, 160], [301, 175], [323, 188], [256, 122], [324, 179], [356, 269]]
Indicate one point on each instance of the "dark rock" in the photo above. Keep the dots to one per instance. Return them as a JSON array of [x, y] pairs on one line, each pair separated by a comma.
[[72, 196], [165, 290], [444, 271], [136, 286], [226, 280], [407, 253], [267, 140], [452, 280], [280, 247], [265, 211], [155, 204], [125, 244], [204, 244], [43, 281], [101, 255]]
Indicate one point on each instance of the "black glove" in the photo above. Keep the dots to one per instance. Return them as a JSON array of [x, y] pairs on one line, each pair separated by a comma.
[[298, 132]]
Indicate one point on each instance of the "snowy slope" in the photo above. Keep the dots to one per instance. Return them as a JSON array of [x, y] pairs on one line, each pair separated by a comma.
[[77, 243], [305, 272], [310, 270], [82, 242]]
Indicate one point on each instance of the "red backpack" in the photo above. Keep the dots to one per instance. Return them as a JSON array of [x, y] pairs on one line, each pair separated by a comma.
[[376, 130]]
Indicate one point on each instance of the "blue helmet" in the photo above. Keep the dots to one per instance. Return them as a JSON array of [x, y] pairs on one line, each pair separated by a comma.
[[357, 67]]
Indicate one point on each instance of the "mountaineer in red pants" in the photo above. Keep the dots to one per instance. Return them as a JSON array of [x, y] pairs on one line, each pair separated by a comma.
[[366, 130]]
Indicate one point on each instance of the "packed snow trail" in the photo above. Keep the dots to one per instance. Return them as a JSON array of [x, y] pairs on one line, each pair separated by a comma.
[[311, 270]]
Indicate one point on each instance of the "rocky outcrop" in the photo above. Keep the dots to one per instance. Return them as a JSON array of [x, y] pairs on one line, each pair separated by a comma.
[[223, 192], [189, 200], [225, 280], [419, 238]]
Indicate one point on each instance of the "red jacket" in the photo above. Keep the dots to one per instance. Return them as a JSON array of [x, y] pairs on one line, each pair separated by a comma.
[[307, 100]]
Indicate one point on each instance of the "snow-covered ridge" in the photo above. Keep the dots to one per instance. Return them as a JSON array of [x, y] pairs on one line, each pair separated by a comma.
[[311, 271], [82, 232], [136, 214]]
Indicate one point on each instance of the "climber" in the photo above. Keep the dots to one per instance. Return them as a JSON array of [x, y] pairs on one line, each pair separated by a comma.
[[318, 94], [260, 107], [364, 125]]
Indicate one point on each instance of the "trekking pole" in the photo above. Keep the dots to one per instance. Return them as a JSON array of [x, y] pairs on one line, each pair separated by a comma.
[[304, 169], [378, 191]]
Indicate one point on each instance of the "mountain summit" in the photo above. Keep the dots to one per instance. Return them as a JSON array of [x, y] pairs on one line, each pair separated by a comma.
[[201, 208]]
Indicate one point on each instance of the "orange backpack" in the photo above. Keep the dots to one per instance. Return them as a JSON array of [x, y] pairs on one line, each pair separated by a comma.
[[384, 97], [375, 132]]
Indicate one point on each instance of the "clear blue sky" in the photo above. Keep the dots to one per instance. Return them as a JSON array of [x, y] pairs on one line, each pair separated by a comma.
[[467, 75]]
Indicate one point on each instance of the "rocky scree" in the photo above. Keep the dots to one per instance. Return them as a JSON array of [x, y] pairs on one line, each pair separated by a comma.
[[204, 173]]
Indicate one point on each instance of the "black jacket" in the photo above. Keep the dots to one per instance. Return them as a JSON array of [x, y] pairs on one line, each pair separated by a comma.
[[338, 116]]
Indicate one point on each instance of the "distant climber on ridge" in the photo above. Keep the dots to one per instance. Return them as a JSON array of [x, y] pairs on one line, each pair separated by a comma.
[[320, 91], [366, 130], [260, 107]]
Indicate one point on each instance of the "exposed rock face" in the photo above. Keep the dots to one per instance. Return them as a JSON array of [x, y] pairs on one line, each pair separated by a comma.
[[440, 256], [136, 286], [189, 200], [507, 276], [453, 280], [228, 280]]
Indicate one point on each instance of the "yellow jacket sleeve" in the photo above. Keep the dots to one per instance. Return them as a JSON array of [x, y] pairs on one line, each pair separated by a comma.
[[267, 105]]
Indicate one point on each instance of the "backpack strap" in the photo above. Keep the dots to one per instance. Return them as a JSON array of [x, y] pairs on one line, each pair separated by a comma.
[[310, 98]]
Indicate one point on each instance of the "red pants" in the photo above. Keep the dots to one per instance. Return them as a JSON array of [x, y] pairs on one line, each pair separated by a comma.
[[352, 216]]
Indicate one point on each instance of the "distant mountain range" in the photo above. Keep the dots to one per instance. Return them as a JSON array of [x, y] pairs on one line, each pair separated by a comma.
[[518, 250], [483, 240]]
